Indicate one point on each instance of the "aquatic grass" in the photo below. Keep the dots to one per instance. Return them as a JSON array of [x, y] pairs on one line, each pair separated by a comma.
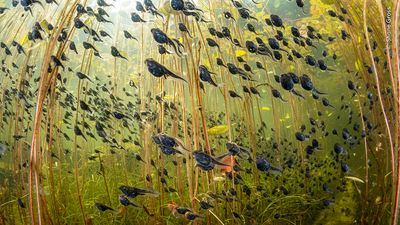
[[393, 164], [224, 79], [396, 47], [51, 118], [387, 51], [188, 143], [35, 145], [17, 153], [85, 66], [248, 106], [359, 96], [372, 152], [366, 177]]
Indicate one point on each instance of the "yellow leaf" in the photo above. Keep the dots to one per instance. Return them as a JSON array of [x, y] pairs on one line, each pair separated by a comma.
[[88, 22], [45, 25], [219, 129], [168, 97], [357, 64], [265, 108], [23, 40], [240, 53]]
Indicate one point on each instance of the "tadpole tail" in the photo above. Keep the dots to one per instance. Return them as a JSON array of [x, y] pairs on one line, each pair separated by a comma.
[[222, 156], [216, 162], [297, 94], [176, 76], [284, 50], [41, 4], [147, 211], [212, 82], [252, 17], [319, 92], [276, 169], [176, 49]]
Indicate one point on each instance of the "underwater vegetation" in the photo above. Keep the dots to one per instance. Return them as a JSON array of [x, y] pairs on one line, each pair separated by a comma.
[[199, 112]]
